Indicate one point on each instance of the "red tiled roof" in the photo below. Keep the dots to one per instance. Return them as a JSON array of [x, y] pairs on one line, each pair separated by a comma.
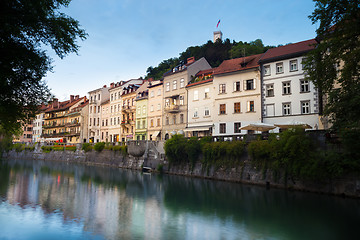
[[200, 82], [63, 105], [290, 50], [238, 64]]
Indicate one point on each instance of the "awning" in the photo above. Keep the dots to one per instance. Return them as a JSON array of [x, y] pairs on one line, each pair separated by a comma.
[[263, 127], [197, 129], [156, 134], [294, 125]]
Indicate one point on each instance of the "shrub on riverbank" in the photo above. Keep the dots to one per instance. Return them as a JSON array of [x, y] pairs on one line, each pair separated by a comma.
[[99, 146], [46, 149], [18, 147], [86, 147]]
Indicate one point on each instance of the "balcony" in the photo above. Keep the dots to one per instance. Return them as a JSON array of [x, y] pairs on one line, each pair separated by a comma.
[[172, 108], [61, 134], [72, 124], [125, 109], [53, 125]]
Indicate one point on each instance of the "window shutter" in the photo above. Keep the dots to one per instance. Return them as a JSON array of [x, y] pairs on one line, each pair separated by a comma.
[[248, 106], [244, 81], [254, 83], [234, 87]]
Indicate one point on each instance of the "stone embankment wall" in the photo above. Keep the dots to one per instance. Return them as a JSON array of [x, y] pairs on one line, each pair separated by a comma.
[[151, 154]]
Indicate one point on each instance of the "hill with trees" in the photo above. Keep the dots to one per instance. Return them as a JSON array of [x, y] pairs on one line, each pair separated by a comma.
[[215, 54]]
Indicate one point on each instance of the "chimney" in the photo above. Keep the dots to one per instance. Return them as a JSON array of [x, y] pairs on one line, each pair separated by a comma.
[[55, 103], [86, 98], [190, 60], [76, 97], [111, 85], [150, 79], [104, 86], [71, 98]]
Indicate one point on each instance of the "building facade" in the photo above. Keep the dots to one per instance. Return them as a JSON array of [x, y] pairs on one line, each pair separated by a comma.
[[96, 98], [155, 109], [237, 97], [175, 96], [141, 125], [200, 104], [105, 119], [287, 97]]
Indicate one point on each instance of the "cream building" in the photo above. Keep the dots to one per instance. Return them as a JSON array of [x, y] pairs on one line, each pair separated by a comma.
[[155, 107], [175, 96], [200, 104], [237, 96], [96, 98]]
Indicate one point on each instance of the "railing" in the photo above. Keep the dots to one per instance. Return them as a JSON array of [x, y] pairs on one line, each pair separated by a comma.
[[172, 108]]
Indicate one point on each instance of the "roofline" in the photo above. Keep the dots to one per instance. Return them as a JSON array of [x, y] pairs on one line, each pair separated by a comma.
[[199, 83], [283, 57], [232, 71]]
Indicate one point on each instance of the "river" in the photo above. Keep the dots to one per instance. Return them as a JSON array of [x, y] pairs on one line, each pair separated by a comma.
[[52, 200]]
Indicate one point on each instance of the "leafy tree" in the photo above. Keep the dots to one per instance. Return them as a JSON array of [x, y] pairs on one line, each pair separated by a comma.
[[25, 27], [334, 67]]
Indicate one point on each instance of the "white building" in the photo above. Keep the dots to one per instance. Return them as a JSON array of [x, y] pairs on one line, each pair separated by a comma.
[[96, 98], [237, 98], [287, 97]]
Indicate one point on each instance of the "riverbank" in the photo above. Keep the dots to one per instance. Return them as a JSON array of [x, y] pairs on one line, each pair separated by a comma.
[[244, 172]]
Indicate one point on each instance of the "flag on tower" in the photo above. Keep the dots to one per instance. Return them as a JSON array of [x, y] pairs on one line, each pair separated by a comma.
[[218, 23]]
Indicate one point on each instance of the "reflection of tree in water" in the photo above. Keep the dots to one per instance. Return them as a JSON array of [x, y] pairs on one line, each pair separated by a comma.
[[4, 179], [277, 211]]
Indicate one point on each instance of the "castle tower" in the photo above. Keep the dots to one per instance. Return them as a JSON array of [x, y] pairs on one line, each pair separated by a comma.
[[217, 34]]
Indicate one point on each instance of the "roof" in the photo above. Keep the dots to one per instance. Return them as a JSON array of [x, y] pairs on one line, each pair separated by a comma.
[[288, 51], [200, 82], [205, 72], [238, 64], [180, 68], [63, 105]]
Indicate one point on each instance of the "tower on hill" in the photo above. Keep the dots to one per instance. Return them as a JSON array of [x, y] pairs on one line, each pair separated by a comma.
[[217, 35]]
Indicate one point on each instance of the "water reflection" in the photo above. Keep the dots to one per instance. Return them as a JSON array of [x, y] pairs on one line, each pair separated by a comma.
[[58, 200]]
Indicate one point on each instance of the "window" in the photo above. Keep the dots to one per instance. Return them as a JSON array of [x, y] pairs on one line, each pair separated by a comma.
[[90, 109], [237, 107], [174, 85], [174, 119], [167, 120], [167, 102], [207, 111], [304, 86], [152, 94], [222, 88], [139, 111], [249, 84], [293, 65], [112, 97], [158, 107], [151, 108], [144, 124], [250, 106], [222, 127], [115, 96], [152, 123], [279, 68], [98, 109], [286, 109], [144, 109], [138, 125], [158, 122], [167, 86], [110, 121], [94, 121], [181, 100], [222, 109], [267, 70], [286, 88], [99, 96], [305, 107], [207, 90], [237, 86], [269, 90], [159, 92], [196, 95], [237, 126], [181, 118], [196, 114], [182, 83], [103, 122]]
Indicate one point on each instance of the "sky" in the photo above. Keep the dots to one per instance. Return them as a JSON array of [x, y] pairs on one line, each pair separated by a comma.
[[125, 37]]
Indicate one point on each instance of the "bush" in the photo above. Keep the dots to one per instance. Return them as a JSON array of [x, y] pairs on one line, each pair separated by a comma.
[[46, 149], [175, 148], [160, 168], [58, 148], [99, 146], [70, 148], [29, 148], [193, 150], [86, 147], [18, 147]]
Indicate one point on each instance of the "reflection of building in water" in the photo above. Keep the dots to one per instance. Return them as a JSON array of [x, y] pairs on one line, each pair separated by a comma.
[[18, 193]]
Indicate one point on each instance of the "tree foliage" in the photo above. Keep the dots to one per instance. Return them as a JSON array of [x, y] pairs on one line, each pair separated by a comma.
[[334, 66], [25, 28], [215, 54]]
